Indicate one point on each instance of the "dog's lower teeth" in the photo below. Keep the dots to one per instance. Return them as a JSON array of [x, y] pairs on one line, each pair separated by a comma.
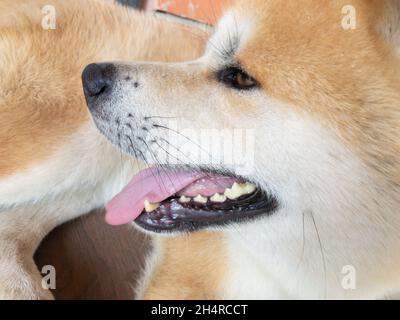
[[237, 190], [200, 199], [218, 198], [184, 199], [150, 207]]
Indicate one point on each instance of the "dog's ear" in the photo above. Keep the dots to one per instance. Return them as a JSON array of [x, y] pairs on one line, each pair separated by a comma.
[[389, 22]]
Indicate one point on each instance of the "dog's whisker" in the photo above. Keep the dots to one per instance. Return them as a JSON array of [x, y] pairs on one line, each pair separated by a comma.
[[158, 117], [182, 135], [322, 255], [190, 162]]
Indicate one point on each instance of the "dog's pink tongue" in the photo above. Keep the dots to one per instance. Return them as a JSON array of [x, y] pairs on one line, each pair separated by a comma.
[[154, 185]]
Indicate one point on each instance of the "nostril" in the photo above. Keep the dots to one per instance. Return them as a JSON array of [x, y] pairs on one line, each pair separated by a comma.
[[103, 88], [94, 80]]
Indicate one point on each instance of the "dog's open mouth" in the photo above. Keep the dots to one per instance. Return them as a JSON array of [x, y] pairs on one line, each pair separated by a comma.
[[163, 200]]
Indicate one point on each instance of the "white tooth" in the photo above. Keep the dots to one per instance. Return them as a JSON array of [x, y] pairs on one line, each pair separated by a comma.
[[218, 198], [249, 188], [184, 199], [230, 194], [237, 190], [234, 192], [150, 207], [236, 187], [200, 199]]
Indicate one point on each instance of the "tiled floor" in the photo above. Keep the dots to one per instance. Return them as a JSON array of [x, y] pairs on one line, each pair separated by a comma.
[[94, 260]]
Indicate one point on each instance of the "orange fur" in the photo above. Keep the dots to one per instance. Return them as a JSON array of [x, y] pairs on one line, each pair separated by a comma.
[[302, 55], [192, 267]]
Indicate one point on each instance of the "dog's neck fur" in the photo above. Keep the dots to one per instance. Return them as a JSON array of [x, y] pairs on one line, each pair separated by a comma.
[[306, 249], [311, 257]]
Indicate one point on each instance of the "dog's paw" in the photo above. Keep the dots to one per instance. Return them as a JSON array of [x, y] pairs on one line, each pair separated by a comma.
[[23, 292], [17, 283], [23, 288]]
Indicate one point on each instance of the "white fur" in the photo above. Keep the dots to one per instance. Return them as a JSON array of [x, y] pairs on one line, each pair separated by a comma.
[[233, 29], [73, 167], [153, 259]]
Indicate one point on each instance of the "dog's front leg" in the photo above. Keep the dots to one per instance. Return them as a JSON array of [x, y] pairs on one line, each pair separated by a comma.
[[19, 276], [21, 231]]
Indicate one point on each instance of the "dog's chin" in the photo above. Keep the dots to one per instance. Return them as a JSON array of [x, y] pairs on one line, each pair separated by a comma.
[[175, 215]]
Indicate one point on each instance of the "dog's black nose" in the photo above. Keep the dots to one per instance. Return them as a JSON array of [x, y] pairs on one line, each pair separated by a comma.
[[97, 78]]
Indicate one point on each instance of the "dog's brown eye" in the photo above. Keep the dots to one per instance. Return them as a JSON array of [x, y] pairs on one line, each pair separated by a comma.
[[236, 78]]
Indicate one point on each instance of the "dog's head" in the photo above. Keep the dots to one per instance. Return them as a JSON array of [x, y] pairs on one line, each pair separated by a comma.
[[292, 111]]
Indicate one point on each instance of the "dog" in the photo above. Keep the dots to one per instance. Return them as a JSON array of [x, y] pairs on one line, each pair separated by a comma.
[[54, 165], [316, 215]]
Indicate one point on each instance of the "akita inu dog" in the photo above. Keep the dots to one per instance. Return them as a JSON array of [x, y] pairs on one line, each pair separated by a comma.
[[318, 214], [54, 165]]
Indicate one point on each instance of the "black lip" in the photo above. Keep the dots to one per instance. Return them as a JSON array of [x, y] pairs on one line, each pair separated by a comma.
[[172, 216]]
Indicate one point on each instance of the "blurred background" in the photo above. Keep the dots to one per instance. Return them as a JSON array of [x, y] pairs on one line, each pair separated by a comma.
[[204, 11], [92, 259], [132, 3]]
